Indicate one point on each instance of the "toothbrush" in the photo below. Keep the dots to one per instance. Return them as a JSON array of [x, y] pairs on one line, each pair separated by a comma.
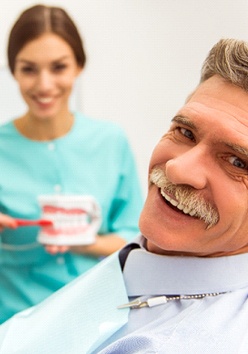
[[40, 222]]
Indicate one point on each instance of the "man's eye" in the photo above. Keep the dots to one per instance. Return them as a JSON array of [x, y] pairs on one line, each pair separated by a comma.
[[187, 133], [237, 162]]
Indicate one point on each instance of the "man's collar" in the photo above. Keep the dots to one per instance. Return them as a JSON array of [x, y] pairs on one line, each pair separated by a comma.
[[146, 273]]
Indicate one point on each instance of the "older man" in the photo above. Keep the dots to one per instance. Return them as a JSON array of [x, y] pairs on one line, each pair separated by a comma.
[[182, 286]]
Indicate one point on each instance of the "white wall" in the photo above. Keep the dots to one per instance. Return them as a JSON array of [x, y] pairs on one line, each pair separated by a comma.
[[144, 57]]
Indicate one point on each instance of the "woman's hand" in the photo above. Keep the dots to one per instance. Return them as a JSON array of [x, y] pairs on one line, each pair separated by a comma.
[[7, 221], [54, 249]]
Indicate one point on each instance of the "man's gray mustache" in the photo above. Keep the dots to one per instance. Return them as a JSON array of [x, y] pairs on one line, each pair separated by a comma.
[[186, 196]]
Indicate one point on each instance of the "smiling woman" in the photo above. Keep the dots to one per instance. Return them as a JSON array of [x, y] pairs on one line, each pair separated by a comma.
[[45, 55], [52, 150], [46, 79]]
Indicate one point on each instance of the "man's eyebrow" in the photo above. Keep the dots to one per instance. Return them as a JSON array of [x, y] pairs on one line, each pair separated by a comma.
[[183, 120], [237, 148]]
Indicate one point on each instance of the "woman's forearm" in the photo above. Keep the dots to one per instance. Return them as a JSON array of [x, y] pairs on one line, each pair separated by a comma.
[[104, 246]]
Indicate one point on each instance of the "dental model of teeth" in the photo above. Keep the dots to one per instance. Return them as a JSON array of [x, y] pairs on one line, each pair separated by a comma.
[[75, 219]]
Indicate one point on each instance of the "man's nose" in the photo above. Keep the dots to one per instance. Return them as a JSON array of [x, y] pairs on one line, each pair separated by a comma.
[[190, 168]]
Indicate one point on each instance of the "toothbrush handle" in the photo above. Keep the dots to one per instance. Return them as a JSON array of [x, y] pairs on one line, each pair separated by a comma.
[[24, 222]]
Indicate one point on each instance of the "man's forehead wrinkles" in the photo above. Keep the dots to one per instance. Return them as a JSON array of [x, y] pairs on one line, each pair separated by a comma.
[[194, 111], [218, 107]]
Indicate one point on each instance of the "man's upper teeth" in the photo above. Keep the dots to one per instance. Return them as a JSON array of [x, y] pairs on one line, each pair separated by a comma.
[[178, 205]]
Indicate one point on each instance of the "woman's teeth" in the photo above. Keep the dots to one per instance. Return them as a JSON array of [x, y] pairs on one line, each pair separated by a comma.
[[178, 205], [44, 100]]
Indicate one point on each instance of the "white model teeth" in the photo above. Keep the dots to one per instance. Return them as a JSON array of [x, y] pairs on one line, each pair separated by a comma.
[[178, 205], [67, 221], [44, 100]]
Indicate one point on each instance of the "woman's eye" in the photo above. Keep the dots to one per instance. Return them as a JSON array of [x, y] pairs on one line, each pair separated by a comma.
[[59, 67], [237, 162], [187, 133], [27, 69]]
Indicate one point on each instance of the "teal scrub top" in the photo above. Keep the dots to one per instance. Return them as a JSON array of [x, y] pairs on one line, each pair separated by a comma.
[[94, 158]]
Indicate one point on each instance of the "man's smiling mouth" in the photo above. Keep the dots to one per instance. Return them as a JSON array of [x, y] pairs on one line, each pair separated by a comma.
[[184, 199]]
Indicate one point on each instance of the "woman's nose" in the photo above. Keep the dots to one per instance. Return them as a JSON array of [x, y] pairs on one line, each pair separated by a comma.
[[190, 168], [45, 81]]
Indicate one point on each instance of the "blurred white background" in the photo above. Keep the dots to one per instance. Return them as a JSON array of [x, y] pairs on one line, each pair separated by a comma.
[[143, 58]]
